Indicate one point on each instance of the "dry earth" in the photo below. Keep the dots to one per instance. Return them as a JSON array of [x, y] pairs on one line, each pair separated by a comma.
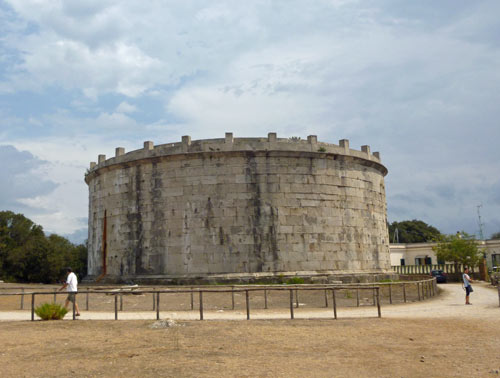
[[440, 337]]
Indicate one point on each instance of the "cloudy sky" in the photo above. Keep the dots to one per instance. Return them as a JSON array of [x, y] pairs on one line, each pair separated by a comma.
[[416, 80]]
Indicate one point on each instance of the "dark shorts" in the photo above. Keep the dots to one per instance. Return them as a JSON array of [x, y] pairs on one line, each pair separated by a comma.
[[468, 290], [71, 297]]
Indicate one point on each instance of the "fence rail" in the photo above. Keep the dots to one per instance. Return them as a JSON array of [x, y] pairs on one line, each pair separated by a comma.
[[425, 289], [426, 269]]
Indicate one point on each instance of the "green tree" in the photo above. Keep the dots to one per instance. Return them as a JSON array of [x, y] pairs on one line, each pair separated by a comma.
[[20, 239], [496, 235], [27, 255], [461, 248], [414, 231]]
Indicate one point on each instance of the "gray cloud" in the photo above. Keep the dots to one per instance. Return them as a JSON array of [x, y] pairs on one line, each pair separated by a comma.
[[20, 179], [77, 237]]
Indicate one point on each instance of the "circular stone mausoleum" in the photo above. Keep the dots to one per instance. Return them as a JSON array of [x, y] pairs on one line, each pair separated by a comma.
[[238, 209]]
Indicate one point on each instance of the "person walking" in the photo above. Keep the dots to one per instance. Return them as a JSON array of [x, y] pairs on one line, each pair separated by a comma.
[[467, 285], [71, 286]]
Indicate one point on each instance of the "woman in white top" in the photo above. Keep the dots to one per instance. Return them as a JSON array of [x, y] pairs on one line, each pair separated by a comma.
[[467, 285]]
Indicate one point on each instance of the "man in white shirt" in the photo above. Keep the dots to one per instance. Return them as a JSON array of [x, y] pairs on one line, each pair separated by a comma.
[[71, 286]]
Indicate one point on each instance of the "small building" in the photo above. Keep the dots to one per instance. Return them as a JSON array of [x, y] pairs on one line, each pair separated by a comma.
[[422, 253]]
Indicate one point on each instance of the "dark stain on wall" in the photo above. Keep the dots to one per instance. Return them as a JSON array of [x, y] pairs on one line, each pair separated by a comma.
[[157, 230], [135, 220]]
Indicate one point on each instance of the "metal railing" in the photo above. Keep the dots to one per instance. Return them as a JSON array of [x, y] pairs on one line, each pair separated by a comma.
[[118, 296], [396, 292]]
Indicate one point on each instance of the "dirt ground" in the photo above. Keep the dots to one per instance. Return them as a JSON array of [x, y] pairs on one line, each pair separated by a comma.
[[276, 348], [440, 337]]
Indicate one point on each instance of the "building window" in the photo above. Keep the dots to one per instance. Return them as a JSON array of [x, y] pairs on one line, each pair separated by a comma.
[[402, 262], [423, 260]]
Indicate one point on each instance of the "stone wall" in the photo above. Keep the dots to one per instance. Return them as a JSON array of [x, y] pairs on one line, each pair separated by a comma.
[[237, 206]]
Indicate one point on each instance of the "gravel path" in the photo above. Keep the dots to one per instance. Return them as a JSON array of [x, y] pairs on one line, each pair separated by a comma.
[[449, 304]]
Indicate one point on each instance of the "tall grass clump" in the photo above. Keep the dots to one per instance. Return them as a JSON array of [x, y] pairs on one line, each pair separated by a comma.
[[51, 311]]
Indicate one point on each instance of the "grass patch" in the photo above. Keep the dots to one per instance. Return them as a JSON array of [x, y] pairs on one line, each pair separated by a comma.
[[51, 311], [295, 281]]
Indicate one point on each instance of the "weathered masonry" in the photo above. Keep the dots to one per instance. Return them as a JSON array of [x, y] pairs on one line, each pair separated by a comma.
[[237, 208]]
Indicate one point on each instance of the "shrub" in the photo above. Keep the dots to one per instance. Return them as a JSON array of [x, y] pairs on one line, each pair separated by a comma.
[[51, 311]]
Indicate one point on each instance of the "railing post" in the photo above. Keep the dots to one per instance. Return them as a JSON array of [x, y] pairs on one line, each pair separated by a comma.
[[157, 305], [22, 299], [334, 304], [32, 306], [201, 305], [74, 306], [404, 292], [373, 294], [378, 303], [326, 299], [116, 307], [87, 300], [265, 299], [154, 301], [390, 293], [357, 297], [297, 298], [248, 304], [192, 299], [498, 295], [121, 302], [418, 290], [232, 297], [55, 291], [291, 304]]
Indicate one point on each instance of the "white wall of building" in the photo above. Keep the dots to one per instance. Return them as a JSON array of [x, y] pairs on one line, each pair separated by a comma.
[[412, 251]]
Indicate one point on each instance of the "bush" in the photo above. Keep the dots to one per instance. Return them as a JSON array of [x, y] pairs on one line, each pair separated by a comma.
[[51, 311]]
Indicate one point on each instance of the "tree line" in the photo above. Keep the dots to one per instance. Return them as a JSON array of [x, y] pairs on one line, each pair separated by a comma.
[[417, 231], [28, 255]]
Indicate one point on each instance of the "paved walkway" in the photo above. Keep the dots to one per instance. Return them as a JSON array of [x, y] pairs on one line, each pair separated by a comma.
[[449, 304]]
